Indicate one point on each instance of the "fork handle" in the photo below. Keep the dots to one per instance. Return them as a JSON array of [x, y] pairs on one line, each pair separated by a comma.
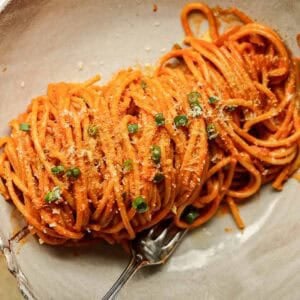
[[134, 265]]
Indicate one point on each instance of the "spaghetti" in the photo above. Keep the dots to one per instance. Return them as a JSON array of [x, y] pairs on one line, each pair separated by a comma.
[[214, 122]]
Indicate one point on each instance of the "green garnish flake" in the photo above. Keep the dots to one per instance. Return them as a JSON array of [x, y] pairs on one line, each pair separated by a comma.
[[160, 119], [181, 121], [191, 215], [73, 172], [127, 165], [155, 153], [193, 98], [158, 177], [143, 84], [24, 127], [211, 131], [196, 109], [58, 170], [53, 195], [93, 130], [140, 205], [213, 99], [133, 128]]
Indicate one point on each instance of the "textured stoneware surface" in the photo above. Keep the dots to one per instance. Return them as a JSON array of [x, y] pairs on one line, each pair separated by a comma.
[[45, 41], [8, 284]]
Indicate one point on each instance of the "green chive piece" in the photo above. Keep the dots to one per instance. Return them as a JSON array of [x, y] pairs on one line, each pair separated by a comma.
[[211, 131], [73, 172], [231, 107], [140, 204], [213, 99], [93, 130], [196, 108], [76, 172], [49, 197], [155, 153], [143, 84], [158, 177], [127, 165], [160, 119], [191, 216], [133, 128], [58, 170], [193, 98], [53, 195], [24, 127], [181, 121]]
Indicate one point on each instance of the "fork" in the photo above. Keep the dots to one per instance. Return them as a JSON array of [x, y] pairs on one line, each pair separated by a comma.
[[150, 248]]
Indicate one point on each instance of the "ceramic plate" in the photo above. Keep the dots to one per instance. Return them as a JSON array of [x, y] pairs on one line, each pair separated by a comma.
[[48, 41]]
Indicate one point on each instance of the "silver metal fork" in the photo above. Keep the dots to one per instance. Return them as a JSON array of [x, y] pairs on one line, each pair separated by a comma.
[[151, 247]]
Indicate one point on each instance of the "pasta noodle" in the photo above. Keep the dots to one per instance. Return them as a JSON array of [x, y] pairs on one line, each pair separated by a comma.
[[214, 122]]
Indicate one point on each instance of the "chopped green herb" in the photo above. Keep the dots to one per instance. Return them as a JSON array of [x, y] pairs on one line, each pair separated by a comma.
[[24, 127], [140, 204], [158, 177], [155, 153], [73, 172], [133, 128], [160, 119], [196, 108], [213, 99], [49, 197], [191, 215], [211, 131], [143, 84], [127, 165], [53, 195], [181, 121], [193, 98], [76, 172], [93, 130], [58, 170]]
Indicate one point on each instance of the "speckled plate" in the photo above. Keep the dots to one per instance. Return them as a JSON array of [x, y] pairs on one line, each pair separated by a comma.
[[44, 41]]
